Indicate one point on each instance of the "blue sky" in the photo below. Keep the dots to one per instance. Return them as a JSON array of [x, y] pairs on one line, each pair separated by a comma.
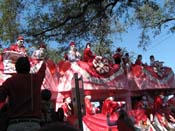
[[162, 47]]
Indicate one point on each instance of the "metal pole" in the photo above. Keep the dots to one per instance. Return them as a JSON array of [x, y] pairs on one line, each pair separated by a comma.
[[78, 101]]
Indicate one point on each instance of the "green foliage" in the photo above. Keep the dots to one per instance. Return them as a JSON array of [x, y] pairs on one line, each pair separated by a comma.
[[54, 55], [63, 21], [10, 19]]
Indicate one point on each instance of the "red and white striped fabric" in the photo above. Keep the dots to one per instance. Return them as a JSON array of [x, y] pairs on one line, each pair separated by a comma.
[[146, 78]]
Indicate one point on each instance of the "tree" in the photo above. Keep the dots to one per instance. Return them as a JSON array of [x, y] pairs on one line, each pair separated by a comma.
[[94, 20], [10, 19]]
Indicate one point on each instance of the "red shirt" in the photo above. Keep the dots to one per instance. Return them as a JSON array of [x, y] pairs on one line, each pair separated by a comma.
[[18, 90], [109, 106], [158, 102], [138, 62], [15, 47]]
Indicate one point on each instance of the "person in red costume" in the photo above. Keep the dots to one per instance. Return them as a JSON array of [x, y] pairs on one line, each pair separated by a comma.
[[19, 46], [139, 60], [90, 109], [118, 56], [67, 106], [88, 55], [68, 111], [110, 106], [159, 101]]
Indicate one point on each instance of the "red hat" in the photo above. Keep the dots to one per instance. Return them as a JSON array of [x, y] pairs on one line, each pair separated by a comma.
[[72, 43], [20, 38]]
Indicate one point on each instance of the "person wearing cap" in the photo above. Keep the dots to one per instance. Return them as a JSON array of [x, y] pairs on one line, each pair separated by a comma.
[[18, 46], [73, 54], [88, 55]]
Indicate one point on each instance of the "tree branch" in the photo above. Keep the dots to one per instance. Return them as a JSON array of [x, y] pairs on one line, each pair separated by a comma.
[[67, 19], [161, 22]]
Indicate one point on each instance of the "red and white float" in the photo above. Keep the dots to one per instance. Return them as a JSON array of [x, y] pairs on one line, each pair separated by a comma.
[[100, 79]]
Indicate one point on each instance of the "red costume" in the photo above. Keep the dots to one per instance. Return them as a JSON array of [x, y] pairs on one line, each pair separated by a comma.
[[68, 112], [109, 106], [158, 102], [138, 105], [88, 55], [90, 109], [138, 62], [118, 56], [67, 109], [17, 48]]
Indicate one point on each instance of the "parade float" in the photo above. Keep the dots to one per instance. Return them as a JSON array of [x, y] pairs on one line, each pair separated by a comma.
[[105, 79], [99, 78]]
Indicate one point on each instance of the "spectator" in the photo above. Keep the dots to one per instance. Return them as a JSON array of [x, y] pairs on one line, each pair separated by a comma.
[[58, 126], [23, 92], [124, 122], [47, 106], [60, 114], [3, 117]]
